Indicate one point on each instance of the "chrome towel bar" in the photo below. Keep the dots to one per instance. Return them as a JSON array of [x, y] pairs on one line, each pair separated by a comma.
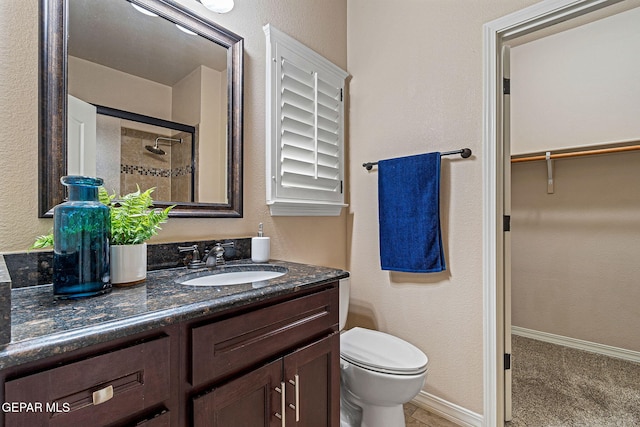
[[464, 153]]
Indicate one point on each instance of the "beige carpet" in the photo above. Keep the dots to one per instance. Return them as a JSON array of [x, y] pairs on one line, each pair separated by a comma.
[[558, 386]]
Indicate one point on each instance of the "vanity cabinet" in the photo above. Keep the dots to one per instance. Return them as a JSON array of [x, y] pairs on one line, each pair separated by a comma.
[[299, 389], [272, 362], [277, 366]]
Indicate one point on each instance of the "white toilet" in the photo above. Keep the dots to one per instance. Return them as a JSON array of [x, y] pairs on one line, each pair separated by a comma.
[[379, 373]]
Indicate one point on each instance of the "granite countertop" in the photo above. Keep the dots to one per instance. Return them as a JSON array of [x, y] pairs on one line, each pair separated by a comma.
[[42, 326]]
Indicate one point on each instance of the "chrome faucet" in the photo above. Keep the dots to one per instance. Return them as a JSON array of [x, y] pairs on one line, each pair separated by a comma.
[[195, 262], [218, 251]]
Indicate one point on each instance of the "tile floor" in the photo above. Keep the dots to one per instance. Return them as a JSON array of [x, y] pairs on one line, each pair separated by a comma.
[[418, 417]]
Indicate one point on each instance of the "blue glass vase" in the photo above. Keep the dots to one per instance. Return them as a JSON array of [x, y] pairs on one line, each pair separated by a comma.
[[81, 233]]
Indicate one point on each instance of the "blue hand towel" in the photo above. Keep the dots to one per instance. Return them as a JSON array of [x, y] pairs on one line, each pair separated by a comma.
[[409, 214]]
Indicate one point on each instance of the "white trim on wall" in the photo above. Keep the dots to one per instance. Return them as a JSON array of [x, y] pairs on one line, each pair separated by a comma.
[[592, 347], [447, 410], [525, 21]]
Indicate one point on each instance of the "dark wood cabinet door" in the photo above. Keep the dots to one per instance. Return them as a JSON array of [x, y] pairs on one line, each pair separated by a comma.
[[248, 401], [312, 377]]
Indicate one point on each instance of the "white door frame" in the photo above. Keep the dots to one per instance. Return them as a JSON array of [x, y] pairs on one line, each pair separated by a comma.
[[533, 18]]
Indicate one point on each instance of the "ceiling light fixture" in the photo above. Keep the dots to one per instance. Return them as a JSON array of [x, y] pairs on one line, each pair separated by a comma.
[[218, 6], [143, 10]]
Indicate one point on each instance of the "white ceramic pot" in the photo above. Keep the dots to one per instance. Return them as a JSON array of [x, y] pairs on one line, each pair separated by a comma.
[[128, 264]]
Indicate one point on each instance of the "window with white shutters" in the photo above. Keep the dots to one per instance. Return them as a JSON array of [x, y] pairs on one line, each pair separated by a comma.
[[305, 122]]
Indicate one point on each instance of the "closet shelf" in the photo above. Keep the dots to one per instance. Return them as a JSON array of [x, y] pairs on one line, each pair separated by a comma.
[[569, 154]]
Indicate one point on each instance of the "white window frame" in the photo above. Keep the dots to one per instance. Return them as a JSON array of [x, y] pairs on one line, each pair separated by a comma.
[[287, 199]]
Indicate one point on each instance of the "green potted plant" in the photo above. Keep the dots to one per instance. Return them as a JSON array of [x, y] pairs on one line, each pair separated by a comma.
[[133, 222]]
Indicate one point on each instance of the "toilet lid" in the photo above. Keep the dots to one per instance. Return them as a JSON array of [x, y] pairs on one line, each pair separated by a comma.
[[381, 352]]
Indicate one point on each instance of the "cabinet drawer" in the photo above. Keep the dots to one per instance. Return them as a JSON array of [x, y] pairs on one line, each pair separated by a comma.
[[103, 389], [229, 345]]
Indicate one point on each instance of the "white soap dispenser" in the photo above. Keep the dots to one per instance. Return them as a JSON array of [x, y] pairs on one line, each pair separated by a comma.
[[260, 247]]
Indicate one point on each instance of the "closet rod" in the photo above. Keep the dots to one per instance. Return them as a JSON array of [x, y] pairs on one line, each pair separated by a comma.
[[577, 154]]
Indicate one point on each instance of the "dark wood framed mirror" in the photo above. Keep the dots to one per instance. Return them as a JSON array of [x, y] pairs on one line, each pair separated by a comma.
[[82, 40]]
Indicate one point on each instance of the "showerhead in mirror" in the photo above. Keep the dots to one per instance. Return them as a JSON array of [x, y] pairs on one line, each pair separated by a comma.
[[155, 149]]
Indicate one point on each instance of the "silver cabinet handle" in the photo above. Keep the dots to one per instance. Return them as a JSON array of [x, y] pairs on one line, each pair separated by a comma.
[[283, 403], [102, 395], [296, 383]]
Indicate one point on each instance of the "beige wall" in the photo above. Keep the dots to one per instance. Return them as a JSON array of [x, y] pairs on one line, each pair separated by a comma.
[[211, 188], [209, 114], [118, 90], [417, 87], [577, 88], [186, 98], [188, 107], [319, 24], [575, 253]]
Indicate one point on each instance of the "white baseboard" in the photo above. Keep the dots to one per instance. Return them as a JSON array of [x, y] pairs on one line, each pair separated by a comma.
[[607, 350], [450, 411]]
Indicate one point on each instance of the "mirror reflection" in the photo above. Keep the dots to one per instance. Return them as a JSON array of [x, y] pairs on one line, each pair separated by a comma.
[[165, 90], [114, 80]]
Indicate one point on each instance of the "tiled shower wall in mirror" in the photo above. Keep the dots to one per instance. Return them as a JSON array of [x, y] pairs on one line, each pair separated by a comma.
[[147, 156]]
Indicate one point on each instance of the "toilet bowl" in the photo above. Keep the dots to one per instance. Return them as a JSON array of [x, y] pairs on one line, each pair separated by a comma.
[[378, 374]]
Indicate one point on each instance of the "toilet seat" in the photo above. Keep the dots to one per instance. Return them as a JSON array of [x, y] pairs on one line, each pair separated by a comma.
[[381, 352]]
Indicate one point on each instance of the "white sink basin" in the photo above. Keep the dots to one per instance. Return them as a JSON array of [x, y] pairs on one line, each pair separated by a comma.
[[232, 276]]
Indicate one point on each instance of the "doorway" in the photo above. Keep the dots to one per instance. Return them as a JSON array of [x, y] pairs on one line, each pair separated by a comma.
[[574, 228], [539, 17]]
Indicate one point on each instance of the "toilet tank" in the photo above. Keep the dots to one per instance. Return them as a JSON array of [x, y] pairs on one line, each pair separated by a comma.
[[345, 287]]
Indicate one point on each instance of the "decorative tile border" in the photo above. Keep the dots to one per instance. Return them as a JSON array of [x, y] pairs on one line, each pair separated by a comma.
[[182, 170], [159, 172]]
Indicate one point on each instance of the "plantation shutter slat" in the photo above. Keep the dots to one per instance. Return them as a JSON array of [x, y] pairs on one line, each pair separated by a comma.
[[310, 129]]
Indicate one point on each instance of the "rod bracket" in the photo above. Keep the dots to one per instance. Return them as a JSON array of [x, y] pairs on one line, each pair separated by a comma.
[[550, 188]]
